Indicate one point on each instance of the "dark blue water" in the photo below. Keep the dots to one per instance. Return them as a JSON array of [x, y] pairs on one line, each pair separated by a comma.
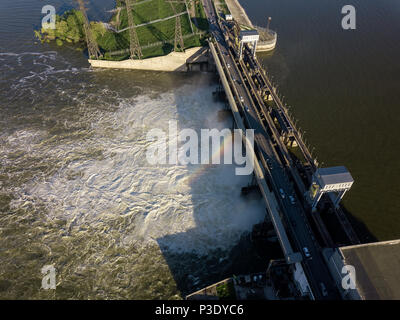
[[344, 88]]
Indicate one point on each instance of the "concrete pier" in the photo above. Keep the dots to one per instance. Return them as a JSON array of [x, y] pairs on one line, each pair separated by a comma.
[[175, 61]]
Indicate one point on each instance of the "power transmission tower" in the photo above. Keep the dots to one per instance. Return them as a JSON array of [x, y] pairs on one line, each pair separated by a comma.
[[135, 49], [178, 27], [93, 48]]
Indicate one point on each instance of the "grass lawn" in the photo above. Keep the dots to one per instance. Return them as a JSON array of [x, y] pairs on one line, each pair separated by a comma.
[[161, 33], [149, 11], [226, 291], [155, 38]]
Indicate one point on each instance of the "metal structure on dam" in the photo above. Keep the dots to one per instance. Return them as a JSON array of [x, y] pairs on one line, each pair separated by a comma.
[[291, 188]]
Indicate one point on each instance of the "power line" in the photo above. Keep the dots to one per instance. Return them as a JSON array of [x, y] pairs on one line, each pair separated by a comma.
[[178, 27], [93, 48], [134, 44]]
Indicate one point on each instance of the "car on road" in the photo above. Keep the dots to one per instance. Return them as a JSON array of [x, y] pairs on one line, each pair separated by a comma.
[[241, 99], [247, 108], [228, 65], [307, 253], [292, 200], [282, 193], [269, 163], [323, 289]]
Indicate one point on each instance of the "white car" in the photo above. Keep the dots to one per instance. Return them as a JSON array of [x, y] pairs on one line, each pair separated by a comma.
[[241, 99], [307, 253], [270, 166]]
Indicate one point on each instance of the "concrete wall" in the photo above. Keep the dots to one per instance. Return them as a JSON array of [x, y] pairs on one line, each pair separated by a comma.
[[335, 262], [175, 61]]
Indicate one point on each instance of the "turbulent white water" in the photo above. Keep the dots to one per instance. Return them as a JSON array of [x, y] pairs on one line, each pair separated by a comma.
[[74, 162], [202, 202]]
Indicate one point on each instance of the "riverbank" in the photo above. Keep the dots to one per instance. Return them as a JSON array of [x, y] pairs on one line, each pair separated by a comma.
[[174, 61]]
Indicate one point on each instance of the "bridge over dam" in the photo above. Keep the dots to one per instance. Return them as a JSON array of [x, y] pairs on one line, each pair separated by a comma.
[[291, 188]]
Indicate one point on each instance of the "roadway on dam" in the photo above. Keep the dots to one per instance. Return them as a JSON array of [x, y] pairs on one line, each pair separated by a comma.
[[292, 212]]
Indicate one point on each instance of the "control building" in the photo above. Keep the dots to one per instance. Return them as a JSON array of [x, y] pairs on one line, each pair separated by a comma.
[[333, 180], [248, 36]]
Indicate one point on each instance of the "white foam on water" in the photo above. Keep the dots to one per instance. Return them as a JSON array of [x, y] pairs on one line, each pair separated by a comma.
[[41, 66], [194, 208]]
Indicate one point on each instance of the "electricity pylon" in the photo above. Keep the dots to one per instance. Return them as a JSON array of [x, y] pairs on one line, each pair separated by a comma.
[[93, 48], [134, 44], [178, 27]]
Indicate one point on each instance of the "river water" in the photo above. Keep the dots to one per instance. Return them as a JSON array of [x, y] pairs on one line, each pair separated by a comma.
[[75, 188], [77, 191], [343, 87]]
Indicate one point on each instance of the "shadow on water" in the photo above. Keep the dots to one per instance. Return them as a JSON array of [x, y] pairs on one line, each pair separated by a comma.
[[192, 270], [361, 229], [336, 230]]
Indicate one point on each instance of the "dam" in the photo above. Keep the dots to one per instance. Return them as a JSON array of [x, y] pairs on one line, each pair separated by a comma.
[[268, 37], [292, 186]]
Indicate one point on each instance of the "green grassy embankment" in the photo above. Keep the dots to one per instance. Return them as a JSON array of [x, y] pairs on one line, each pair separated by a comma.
[[156, 38]]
